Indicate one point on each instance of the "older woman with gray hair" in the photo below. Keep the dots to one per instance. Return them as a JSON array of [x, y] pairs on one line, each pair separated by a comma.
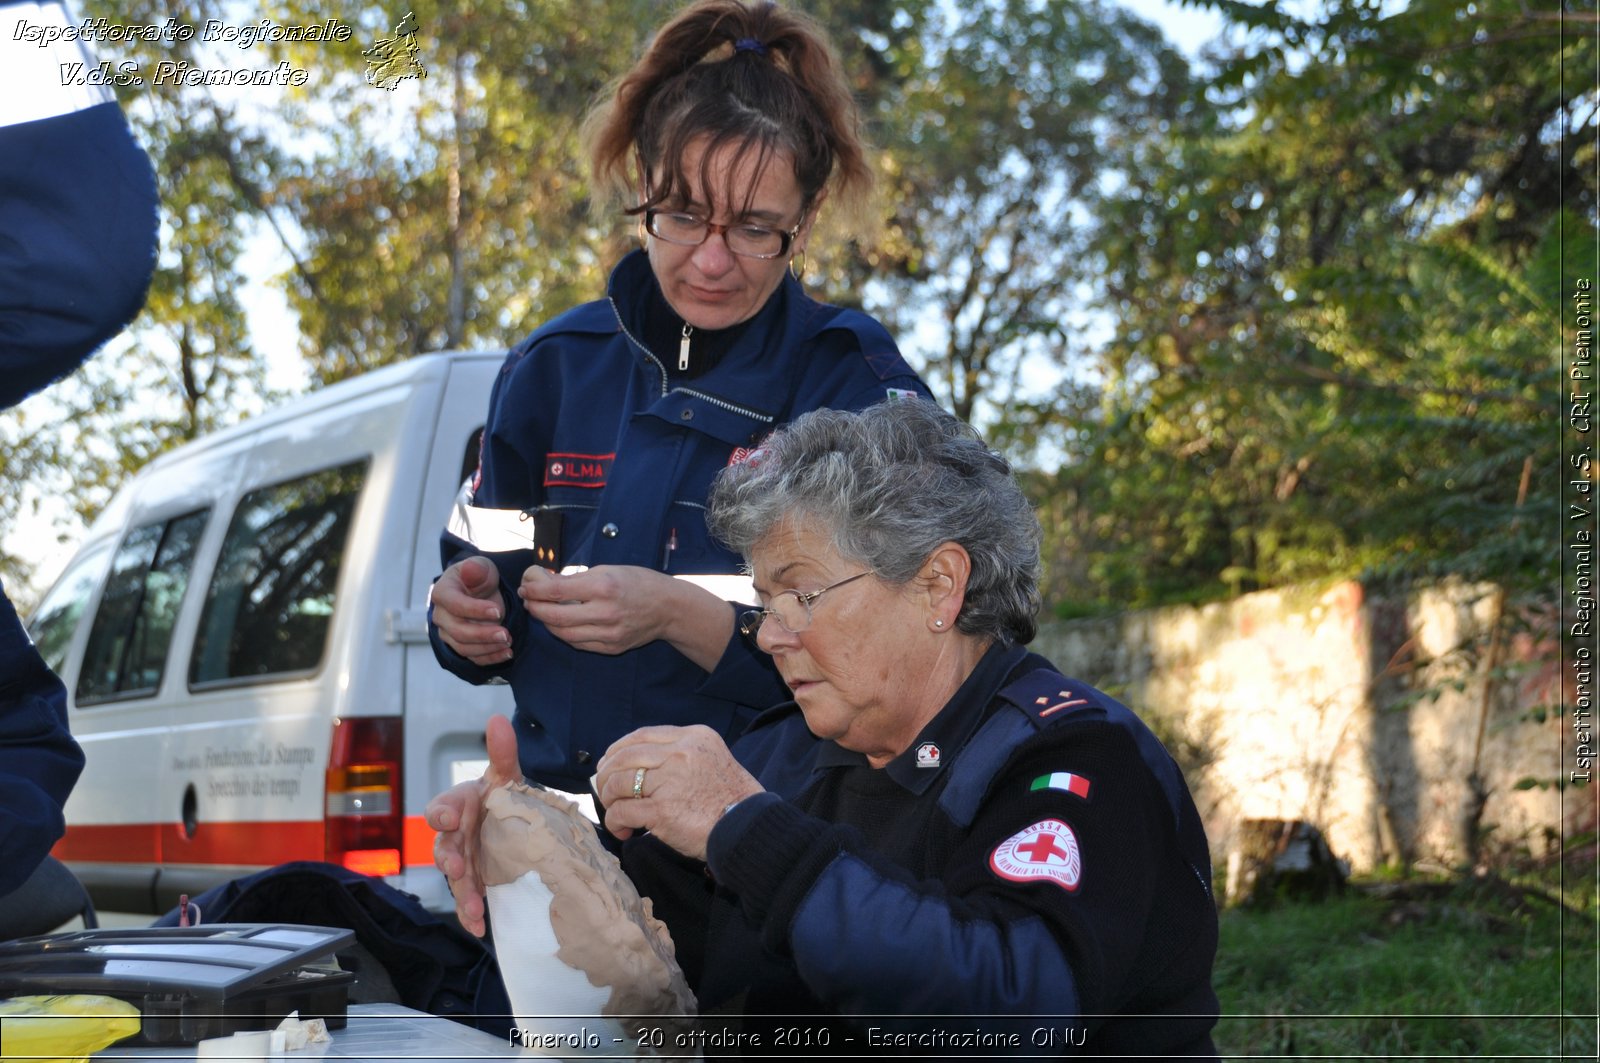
[[940, 825]]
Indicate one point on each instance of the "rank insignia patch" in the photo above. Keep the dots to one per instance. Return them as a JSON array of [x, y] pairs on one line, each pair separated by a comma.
[[1047, 850]]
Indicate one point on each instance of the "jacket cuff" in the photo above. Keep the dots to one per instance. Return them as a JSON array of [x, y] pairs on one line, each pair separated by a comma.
[[769, 853], [453, 662], [744, 675]]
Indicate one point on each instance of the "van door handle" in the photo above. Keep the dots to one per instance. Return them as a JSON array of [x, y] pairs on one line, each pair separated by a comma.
[[189, 814], [405, 626]]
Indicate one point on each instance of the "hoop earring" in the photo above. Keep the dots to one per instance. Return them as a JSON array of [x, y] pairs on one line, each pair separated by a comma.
[[797, 271]]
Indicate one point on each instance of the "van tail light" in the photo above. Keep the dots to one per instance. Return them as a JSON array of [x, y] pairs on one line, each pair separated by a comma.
[[365, 812]]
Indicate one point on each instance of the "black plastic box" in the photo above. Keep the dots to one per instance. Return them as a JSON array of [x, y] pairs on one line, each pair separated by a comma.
[[191, 983]]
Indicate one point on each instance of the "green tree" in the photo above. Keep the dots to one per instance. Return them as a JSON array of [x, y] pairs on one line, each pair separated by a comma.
[[1333, 293], [1000, 149], [451, 210], [456, 210]]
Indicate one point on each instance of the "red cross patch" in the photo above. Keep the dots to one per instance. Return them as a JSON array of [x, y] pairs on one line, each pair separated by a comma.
[[741, 455], [1047, 850]]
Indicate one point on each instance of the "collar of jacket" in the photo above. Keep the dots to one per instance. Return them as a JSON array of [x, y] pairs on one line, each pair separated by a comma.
[[760, 371]]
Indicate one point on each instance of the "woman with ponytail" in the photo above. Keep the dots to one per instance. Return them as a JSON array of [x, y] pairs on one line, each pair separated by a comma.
[[607, 425]]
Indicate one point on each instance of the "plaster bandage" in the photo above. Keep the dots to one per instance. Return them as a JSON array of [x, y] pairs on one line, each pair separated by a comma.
[[580, 951]]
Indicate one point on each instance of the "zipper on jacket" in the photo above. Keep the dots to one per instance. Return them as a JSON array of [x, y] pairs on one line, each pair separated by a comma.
[[648, 353], [683, 348], [755, 415]]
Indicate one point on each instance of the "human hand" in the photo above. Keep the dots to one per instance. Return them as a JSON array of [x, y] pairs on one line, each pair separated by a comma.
[[457, 815], [607, 609], [690, 778], [468, 610]]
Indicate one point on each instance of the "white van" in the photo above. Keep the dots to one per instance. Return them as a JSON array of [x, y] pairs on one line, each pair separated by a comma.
[[244, 644]]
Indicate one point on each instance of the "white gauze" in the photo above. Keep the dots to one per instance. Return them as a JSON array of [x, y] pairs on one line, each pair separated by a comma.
[[580, 951]]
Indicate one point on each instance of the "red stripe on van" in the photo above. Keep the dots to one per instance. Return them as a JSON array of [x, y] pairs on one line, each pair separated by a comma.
[[111, 843], [259, 844], [418, 842], [220, 843], [250, 844]]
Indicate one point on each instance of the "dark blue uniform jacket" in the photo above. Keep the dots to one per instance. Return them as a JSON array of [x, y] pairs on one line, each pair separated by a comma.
[[77, 247], [1034, 855], [587, 422], [39, 760]]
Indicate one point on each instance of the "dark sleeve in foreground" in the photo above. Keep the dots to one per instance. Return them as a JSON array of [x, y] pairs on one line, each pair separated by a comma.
[[39, 761], [77, 250], [1131, 931], [77, 242], [503, 481]]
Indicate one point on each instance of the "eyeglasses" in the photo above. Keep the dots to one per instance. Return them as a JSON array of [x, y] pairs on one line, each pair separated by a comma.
[[689, 230], [792, 609]]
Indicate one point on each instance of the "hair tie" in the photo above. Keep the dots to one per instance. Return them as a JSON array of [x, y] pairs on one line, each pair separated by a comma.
[[749, 44]]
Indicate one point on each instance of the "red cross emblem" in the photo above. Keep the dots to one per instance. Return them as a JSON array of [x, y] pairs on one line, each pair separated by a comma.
[[1043, 849], [1047, 849]]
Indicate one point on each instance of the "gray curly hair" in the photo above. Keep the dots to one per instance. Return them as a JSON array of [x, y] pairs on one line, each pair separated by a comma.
[[891, 484]]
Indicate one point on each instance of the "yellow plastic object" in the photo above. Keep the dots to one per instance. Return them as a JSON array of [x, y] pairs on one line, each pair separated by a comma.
[[65, 1028]]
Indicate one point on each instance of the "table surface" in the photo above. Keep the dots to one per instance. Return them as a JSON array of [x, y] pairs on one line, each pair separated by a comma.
[[373, 1033]]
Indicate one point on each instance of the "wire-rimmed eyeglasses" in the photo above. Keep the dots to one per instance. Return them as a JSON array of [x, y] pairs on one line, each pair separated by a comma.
[[792, 609], [691, 230]]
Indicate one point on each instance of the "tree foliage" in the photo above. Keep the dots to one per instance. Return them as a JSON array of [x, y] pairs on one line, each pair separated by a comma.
[[1002, 145], [456, 212], [452, 211], [1295, 304], [1333, 305]]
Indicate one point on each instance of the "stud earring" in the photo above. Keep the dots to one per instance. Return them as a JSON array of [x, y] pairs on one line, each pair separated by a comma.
[[938, 623]]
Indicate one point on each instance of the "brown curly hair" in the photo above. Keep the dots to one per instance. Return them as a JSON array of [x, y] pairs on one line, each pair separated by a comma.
[[757, 79]]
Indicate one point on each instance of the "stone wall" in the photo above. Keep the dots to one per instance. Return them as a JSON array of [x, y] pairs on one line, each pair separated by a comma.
[[1360, 714]]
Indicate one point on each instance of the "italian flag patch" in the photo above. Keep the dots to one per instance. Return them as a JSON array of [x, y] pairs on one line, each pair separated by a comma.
[[1062, 780]]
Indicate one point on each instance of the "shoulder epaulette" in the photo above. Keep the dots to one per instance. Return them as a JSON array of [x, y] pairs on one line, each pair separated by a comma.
[[873, 341], [596, 316], [1045, 696], [1042, 698]]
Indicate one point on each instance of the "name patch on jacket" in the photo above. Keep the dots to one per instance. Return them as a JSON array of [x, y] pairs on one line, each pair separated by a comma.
[[577, 470]]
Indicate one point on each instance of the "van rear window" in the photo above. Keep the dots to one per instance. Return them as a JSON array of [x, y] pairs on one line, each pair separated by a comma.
[[270, 604], [57, 618], [132, 630]]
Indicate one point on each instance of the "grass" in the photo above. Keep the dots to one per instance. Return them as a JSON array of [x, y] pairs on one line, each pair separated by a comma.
[[1472, 971]]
